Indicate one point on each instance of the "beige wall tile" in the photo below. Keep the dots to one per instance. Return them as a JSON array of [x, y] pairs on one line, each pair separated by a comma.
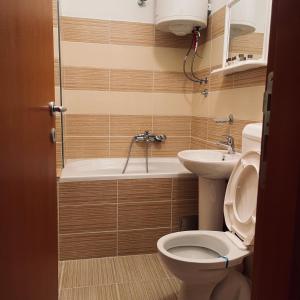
[[170, 104], [92, 55], [236, 131], [138, 190], [251, 43], [131, 80], [129, 125], [85, 30], [172, 125], [172, 82], [243, 103], [131, 103], [87, 102], [88, 192], [199, 127], [131, 33], [87, 245], [171, 147], [217, 46], [87, 218], [216, 132], [86, 147], [144, 215], [86, 125], [200, 105], [80, 78], [132, 242], [219, 82]]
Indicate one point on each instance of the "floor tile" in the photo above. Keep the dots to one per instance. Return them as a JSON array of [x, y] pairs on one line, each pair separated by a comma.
[[152, 290], [138, 268], [106, 292], [88, 272]]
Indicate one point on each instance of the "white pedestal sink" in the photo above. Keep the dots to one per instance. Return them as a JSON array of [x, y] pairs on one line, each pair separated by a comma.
[[213, 167]]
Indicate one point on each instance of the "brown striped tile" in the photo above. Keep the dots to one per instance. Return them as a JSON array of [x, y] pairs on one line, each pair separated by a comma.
[[171, 147], [250, 78], [170, 40], [88, 272], [144, 215], [138, 268], [106, 292], [85, 30], [251, 43], [86, 147], [58, 128], [136, 190], [199, 127], [87, 218], [154, 290], [58, 148], [172, 82], [88, 192], [87, 125], [119, 147], [131, 80], [87, 245], [185, 189], [197, 144], [132, 33], [180, 209], [172, 125], [129, 125], [216, 132], [218, 22], [81, 78], [219, 82], [132, 242]]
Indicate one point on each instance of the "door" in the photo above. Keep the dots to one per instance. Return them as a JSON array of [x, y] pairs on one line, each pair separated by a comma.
[[28, 205], [277, 243]]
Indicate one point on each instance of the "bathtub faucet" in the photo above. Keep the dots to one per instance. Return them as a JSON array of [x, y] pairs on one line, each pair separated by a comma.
[[146, 138]]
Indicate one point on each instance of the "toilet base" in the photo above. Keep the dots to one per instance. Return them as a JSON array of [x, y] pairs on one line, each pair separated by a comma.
[[195, 291]]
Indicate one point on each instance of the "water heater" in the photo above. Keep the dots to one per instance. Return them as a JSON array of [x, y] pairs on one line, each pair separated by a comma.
[[180, 16]]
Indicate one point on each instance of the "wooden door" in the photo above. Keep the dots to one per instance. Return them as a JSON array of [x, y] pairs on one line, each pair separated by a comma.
[[277, 243], [28, 205]]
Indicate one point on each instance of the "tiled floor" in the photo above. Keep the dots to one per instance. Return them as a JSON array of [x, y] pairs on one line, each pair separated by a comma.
[[139, 277]]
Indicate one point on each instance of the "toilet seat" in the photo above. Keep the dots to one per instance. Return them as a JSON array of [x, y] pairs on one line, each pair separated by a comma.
[[241, 199]]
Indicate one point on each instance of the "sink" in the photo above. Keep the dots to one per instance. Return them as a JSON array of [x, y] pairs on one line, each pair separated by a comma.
[[213, 168], [211, 164]]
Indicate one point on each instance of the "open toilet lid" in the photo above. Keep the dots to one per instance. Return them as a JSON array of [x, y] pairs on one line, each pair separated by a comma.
[[241, 198]]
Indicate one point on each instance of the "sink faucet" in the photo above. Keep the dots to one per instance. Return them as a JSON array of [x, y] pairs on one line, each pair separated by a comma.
[[228, 144]]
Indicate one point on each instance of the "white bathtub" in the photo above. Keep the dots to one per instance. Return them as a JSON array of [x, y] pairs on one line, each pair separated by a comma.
[[108, 169]]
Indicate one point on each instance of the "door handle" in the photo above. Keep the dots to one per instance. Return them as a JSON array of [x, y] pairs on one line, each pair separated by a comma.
[[56, 108]]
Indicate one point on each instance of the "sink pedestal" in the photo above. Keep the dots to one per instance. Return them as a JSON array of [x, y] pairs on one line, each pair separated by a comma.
[[211, 201]]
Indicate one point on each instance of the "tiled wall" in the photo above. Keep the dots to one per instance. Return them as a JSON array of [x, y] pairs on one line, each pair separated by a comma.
[[121, 76], [121, 217], [240, 94]]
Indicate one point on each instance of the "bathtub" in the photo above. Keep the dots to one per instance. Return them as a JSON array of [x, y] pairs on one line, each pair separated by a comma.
[[111, 168]]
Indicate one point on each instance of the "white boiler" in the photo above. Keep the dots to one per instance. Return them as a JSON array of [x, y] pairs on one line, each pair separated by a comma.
[[181, 16]]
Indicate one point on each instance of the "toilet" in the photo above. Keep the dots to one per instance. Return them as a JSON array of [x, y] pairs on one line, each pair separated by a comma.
[[207, 262]]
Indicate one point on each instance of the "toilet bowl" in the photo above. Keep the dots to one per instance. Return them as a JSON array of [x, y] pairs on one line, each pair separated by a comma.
[[202, 259]]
